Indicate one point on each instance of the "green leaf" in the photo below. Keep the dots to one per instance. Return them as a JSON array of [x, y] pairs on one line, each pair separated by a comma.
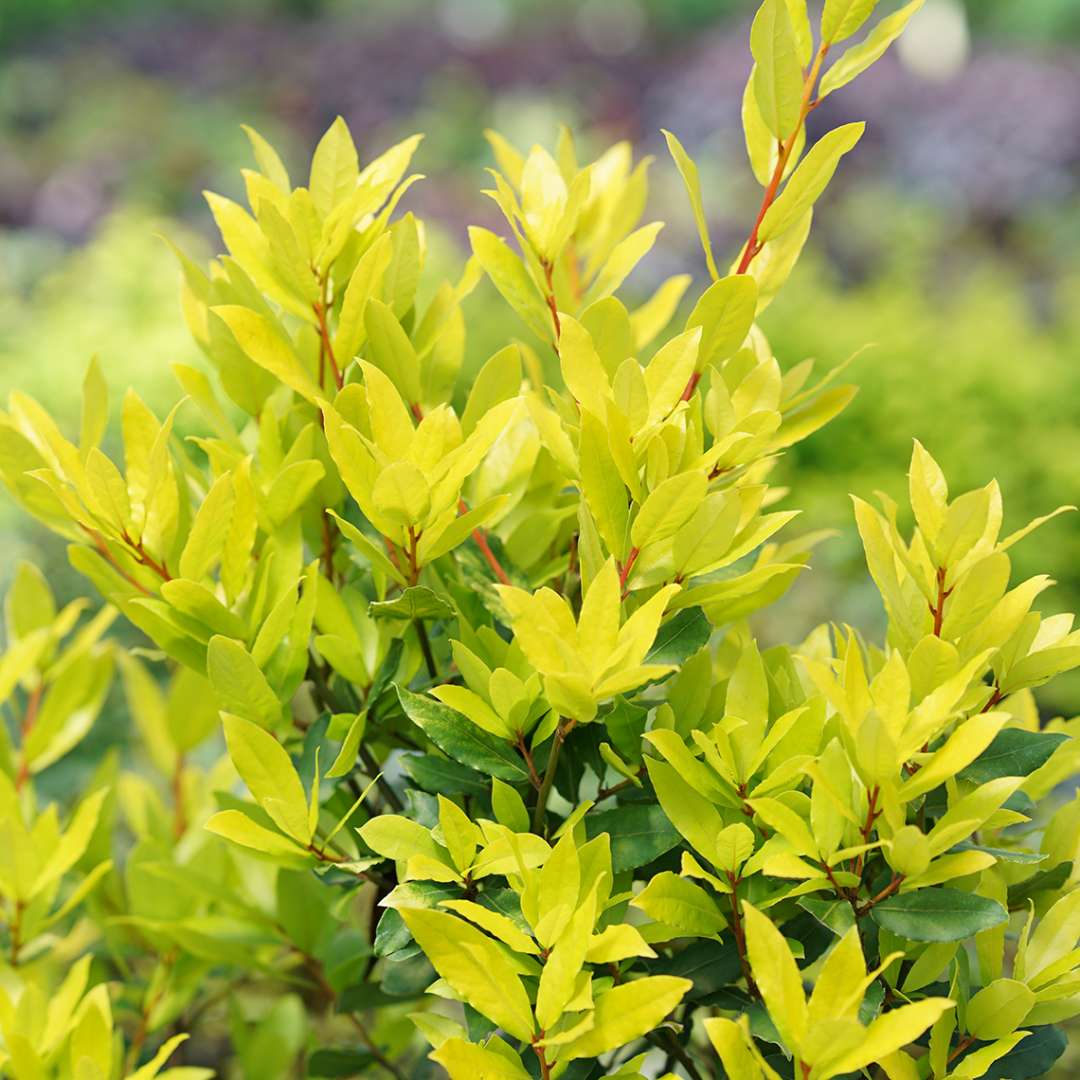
[[268, 349], [684, 634], [467, 1061], [475, 966], [462, 740], [725, 314], [999, 1009], [938, 914], [509, 276], [809, 180], [95, 406], [639, 834], [689, 173], [842, 18], [1013, 752], [334, 167], [334, 1062], [240, 685], [444, 776], [680, 903], [236, 826], [415, 602], [1031, 1057], [268, 772], [859, 57], [778, 78]]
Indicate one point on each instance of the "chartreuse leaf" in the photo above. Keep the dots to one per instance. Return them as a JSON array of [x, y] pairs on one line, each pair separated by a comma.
[[681, 904], [334, 167], [95, 406], [999, 1009], [475, 966], [239, 683], [263, 344], [859, 57], [809, 180], [738, 1054], [776, 975], [236, 826], [509, 807], [725, 314], [509, 276], [689, 173], [467, 1061], [842, 18], [625, 1013], [268, 772], [778, 77]]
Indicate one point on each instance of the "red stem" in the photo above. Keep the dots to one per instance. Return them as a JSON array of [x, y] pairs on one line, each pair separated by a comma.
[[552, 303], [752, 246], [480, 537], [33, 703], [326, 350]]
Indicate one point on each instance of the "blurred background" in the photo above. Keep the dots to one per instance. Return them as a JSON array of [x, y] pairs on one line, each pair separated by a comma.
[[949, 240]]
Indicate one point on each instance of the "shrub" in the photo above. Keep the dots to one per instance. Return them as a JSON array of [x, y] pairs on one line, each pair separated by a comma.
[[518, 776]]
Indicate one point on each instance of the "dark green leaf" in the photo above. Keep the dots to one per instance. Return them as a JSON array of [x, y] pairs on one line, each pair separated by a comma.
[[442, 776], [1031, 1057], [710, 965], [1002, 854], [462, 739], [639, 834], [625, 725], [408, 978], [1014, 752], [680, 637], [938, 914], [1052, 878]]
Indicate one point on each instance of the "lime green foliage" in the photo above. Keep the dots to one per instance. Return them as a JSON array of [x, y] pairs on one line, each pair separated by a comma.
[[451, 723]]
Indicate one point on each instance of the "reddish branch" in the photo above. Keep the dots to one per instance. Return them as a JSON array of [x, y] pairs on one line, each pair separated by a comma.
[[326, 350], [624, 570], [480, 537], [107, 555], [33, 703], [885, 893], [753, 246], [938, 609], [552, 303], [785, 147], [740, 936], [872, 814]]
